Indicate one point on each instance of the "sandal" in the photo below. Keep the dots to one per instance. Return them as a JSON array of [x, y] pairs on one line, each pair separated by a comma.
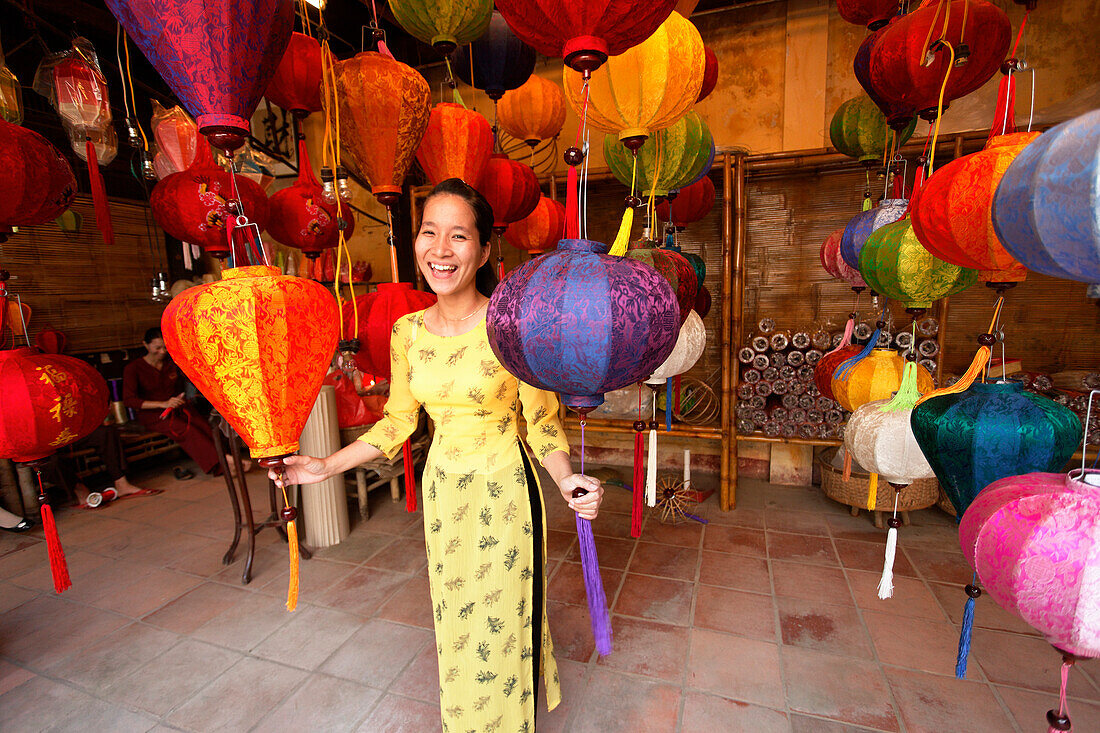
[[23, 526], [182, 474]]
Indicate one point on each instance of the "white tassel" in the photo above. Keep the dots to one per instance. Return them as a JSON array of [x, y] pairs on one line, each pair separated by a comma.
[[886, 584], [651, 471]]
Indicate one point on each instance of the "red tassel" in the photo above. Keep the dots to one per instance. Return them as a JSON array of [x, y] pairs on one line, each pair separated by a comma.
[[676, 403], [410, 478], [639, 485], [1004, 121], [99, 196], [572, 225], [58, 567]]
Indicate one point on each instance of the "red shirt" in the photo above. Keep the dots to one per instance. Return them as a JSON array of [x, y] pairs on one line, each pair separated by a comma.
[[143, 382]]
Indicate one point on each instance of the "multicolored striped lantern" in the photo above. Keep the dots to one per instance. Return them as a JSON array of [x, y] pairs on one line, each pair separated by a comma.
[[296, 84], [671, 61], [581, 323], [875, 377], [534, 112], [991, 431], [216, 55], [512, 189], [835, 265], [1044, 210], [1033, 540], [896, 69], [540, 230], [443, 24], [953, 211], [584, 34], [865, 223], [691, 204], [859, 130], [673, 267], [669, 161], [36, 182], [893, 263], [872, 13], [456, 144], [377, 312], [497, 62], [299, 216], [384, 109], [827, 366]]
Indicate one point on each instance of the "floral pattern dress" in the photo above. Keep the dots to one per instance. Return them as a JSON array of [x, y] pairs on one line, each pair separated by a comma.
[[483, 518]]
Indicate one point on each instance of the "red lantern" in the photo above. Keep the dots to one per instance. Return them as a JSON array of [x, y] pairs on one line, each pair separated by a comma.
[[824, 369], [50, 341], [872, 13], [539, 231], [702, 301], [296, 84], [584, 34], [378, 311], [299, 216], [903, 65], [511, 188], [456, 144], [673, 267], [192, 205], [691, 204], [710, 74], [36, 182]]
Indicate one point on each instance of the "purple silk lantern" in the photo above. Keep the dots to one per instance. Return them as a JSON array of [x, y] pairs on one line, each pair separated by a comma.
[[216, 55], [580, 322]]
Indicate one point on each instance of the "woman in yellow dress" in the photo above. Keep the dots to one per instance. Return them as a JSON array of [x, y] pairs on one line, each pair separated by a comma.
[[483, 507]]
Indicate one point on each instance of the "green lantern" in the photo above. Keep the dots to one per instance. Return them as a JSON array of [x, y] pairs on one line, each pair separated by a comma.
[[685, 151], [859, 130], [444, 24], [895, 264]]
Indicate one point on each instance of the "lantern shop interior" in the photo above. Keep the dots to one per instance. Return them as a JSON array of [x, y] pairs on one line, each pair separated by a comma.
[[814, 287]]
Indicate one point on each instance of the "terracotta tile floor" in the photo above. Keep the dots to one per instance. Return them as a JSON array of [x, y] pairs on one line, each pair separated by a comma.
[[764, 620]]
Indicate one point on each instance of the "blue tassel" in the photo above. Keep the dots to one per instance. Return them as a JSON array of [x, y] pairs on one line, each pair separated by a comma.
[[847, 366], [972, 591], [668, 405]]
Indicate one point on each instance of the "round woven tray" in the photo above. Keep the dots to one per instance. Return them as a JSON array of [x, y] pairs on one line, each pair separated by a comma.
[[920, 494]]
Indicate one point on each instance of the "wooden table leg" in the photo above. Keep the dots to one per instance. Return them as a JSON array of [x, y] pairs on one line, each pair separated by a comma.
[[361, 490], [218, 446], [395, 489]]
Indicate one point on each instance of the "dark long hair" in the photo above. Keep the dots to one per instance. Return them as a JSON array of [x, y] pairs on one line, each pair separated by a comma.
[[485, 279]]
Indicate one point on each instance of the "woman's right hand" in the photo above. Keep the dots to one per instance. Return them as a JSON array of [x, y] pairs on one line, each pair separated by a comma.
[[300, 470]]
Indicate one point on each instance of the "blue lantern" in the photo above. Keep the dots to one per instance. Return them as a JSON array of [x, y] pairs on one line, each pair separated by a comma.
[[501, 62], [864, 223]]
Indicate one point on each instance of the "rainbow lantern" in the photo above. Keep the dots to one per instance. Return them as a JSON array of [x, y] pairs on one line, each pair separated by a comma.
[[47, 401], [533, 112], [893, 263], [443, 24], [540, 230], [456, 144], [1044, 210]]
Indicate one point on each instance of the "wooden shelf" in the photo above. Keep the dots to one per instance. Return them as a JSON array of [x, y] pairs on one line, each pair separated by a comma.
[[754, 438], [679, 430]]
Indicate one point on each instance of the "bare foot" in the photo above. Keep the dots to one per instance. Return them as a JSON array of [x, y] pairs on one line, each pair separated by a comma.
[[124, 487], [81, 492]]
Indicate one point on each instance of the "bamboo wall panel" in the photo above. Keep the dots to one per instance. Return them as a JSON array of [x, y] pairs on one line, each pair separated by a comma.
[[98, 297]]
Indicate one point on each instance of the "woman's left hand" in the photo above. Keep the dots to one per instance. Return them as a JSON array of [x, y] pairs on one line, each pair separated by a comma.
[[586, 506]]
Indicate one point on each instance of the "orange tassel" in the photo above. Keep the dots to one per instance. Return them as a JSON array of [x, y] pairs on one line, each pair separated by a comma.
[[292, 542], [410, 478], [847, 465], [872, 491], [973, 372], [58, 567]]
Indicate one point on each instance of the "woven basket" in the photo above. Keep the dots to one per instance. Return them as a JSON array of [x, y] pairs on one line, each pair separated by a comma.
[[920, 494], [945, 503]]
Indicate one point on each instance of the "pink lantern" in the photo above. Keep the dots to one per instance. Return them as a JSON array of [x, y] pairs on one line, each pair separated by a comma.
[[835, 265]]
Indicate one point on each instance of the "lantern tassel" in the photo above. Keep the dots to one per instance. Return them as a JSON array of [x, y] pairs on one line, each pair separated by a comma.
[[593, 586], [99, 196], [639, 486], [572, 223], [676, 404], [872, 492], [292, 587], [1059, 720], [668, 405], [651, 470], [847, 465], [1004, 121], [410, 477], [972, 592], [622, 239], [886, 582], [843, 370], [849, 327], [59, 568], [977, 366]]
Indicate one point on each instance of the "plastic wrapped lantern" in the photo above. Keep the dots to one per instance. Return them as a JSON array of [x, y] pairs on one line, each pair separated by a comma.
[[216, 55], [296, 84], [674, 268], [584, 34], [533, 112], [904, 77], [875, 377], [671, 61], [835, 265], [500, 62], [953, 211], [1044, 210], [378, 311], [872, 13], [893, 263], [443, 24], [540, 230], [670, 160], [36, 181], [864, 223], [859, 130], [47, 401], [299, 216], [11, 95], [511, 188], [456, 144], [192, 205], [177, 140], [384, 109], [691, 204]]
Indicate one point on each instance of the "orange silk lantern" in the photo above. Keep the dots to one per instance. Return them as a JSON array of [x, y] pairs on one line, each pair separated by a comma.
[[540, 230], [876, 377], [384, 109], [534, 112], [296, 84], [953, 211], [456, 144], [511, 188], [257, 345]]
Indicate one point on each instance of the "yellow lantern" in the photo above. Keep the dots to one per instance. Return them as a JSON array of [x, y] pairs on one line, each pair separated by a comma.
[[645, 89], [534, 112], [875, 377]]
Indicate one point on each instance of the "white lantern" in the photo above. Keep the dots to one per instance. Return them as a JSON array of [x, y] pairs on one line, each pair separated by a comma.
[[883, 443], [689, 347]]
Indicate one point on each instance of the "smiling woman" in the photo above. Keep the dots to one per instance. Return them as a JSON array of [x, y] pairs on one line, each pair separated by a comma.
[[483, 504]]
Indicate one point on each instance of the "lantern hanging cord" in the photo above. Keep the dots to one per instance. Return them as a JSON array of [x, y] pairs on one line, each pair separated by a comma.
[[121, 72], [303, 15], [129, 81], [939, 105], [928, 36]]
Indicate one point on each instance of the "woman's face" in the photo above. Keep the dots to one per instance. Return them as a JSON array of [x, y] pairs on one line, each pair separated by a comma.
[[156, 349], [447, 249]]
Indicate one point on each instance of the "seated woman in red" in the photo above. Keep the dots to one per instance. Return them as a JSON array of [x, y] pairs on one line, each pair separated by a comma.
[[153, 387]]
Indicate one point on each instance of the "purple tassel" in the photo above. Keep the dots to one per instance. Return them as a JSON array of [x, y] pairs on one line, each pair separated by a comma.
[[593, 586]]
